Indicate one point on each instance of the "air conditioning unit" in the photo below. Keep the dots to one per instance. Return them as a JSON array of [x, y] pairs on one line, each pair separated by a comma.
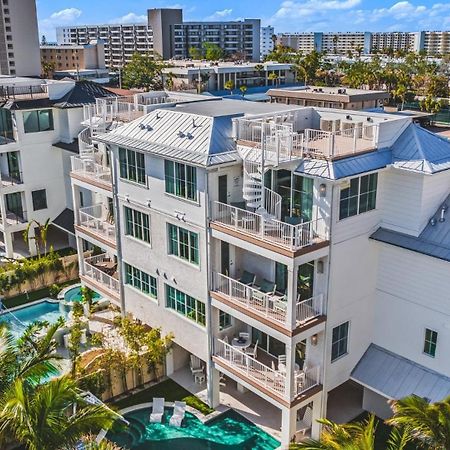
[[330, 124]]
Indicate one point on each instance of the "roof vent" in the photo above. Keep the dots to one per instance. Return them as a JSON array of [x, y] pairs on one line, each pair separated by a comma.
[[142, 126], [189, 136], [348, 117], [149, 127], [181, 134], [443, 211], [194, 125], [433, 222], [369, 119], [158, 116]]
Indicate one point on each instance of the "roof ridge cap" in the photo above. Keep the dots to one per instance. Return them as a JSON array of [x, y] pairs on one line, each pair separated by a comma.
[[420, 149]]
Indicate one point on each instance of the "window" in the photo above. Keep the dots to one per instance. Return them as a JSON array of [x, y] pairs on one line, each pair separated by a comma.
[[141, 280], [186, 305], [224, 320], [181, 180], [183, 243], [35, 121], [137, 224], [359, 196], [132, 165], [429, 347], [339, 344], [39, 199]]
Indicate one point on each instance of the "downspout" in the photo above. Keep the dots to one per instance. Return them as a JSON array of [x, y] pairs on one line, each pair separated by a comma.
[[117, 230]]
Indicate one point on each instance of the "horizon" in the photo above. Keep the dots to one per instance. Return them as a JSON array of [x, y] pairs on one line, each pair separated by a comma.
[[285, 16]]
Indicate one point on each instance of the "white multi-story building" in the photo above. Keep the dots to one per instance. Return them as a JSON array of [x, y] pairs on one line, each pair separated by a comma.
[[267, 40], [19, 38], [40, 121], [121, 41], [291, 249]]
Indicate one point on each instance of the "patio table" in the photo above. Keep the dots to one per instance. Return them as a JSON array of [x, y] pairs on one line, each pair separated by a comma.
[[241, 345]]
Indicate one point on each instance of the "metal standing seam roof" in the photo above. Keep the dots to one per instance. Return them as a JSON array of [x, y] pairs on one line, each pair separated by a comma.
[[395, 377]]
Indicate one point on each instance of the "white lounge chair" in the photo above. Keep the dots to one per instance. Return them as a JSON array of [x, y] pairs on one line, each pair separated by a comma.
[[157, 410], [305, 423], [196, 365], [179, 411]]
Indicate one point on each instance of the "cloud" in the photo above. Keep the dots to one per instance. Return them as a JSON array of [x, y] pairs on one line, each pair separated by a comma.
[[130, 18], [66, 16], [292, 10], [219, 15]]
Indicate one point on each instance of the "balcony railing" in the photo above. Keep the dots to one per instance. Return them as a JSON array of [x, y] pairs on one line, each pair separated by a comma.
[[97, 220], [91, 170], [24, 92], [267, 377], [309, 309], [11, 179], [103, 271], [14, 218], [291, 237]]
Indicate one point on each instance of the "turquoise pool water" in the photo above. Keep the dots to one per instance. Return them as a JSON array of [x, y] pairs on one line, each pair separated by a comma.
[[74, 295], [229, 431], [19, 319]]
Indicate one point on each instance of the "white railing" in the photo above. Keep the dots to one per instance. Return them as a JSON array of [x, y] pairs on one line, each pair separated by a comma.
[[93, 269], [307, 379], [91, 170], [309, 308], [250, 368], [265, 305], [96, 219], [272, 202], [292, 237]]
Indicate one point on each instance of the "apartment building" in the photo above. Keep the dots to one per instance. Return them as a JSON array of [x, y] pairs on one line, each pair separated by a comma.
[[330, 97], [19, 38], [267, 40], [185, 75], [430, 42], [121, 40], [283, 245], [40, 121]]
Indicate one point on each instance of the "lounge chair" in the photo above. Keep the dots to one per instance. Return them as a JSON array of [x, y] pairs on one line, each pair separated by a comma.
[[267, 287], [196, 365], [305, 423], [179, 410], [157, 410], [252, 351], [247, 278]]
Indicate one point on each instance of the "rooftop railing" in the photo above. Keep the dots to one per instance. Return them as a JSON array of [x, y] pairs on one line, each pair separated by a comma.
[[97, 219], [101, 269], [91, 170], [23, 92]]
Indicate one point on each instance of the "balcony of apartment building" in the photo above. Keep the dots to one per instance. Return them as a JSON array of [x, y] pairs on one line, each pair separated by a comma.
[[92, 171], [266, 365], [10, 169], [12, 211], [100, 272], [264, 292]]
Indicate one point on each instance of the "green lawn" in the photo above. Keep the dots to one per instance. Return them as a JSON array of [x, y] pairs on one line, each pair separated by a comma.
[[168, 389]]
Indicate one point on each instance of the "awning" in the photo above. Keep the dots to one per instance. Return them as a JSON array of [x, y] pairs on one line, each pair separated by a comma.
[[395, 377], [65, 221]]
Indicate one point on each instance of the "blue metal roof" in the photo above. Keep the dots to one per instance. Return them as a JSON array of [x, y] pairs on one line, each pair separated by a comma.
[[396, 377]]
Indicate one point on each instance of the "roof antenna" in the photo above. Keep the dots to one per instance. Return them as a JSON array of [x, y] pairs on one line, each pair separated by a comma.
[[443, 211], [193, 123]]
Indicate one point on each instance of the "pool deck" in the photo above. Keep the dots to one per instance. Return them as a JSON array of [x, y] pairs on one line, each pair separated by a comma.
[[248, 404]]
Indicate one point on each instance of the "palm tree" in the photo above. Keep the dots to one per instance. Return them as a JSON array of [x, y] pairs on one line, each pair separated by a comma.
[[273, 77], [427, 423], [50, 416], [243, 90], [229, 86], [352, 436], [41, 238], [90, 443]]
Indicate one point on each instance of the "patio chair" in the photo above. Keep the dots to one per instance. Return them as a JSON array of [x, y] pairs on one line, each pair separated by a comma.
[[267, 287], [252, 351], [179, 410], [196, 365], [304, 424], [282, 359], [247, 278], [244, 335], [157, 410]]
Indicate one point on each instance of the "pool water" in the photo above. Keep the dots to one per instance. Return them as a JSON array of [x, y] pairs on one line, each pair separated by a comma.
[[20, 318], [228, 431], [74, 295]]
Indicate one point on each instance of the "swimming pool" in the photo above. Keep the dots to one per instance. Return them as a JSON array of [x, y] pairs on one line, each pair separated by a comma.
[[73, 294], [45, 310], [225, 432]]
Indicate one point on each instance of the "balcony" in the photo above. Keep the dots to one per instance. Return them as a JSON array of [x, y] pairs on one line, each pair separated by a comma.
[[90, 172], [101, 272], [14, 218], [278, 236], [98, 222], [11, 178], [266, 307], [265, 373]]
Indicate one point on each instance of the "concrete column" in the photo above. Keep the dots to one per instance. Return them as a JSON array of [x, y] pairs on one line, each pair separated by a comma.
[[290, 370], [213, 376], [169, 363], [32, 241], [80, 255], [292, 297], [316, 427], [76, 203], [8, 241], [288, 426]]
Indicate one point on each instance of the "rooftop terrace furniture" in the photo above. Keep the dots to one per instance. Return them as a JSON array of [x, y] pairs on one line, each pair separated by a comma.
[[267, 287], [252, 351], [157, 410], [196, 365], [305, 423], [247, 278], [179, 411], [293, 220]]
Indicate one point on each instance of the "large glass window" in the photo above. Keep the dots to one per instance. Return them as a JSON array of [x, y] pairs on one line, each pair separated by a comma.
[[137, 224], [186, 305], [339, 344], [181, 180], [302, 197], [39, 199], [141, 280], [183, 243], [430, 344], [34, 121], [132, 165], [224, 320], [359, 196]]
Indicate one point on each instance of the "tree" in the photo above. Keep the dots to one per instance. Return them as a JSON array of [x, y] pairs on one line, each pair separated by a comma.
[[229, 86], [90, 443], [142, 72], [273, 77], [75, 337], [40, 240], [42, 418], [427, 423], [243, 90], [48, 68], [212, 52], [430, 104], [43, 40], [352, 436], [335, 42], [195, 53]]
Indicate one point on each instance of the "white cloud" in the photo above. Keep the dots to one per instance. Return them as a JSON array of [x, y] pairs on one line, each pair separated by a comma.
[[66, 16], [292, 10], [219, 15], [130, 18]]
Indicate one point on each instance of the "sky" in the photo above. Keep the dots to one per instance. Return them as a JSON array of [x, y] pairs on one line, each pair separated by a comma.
[[287, 15]]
